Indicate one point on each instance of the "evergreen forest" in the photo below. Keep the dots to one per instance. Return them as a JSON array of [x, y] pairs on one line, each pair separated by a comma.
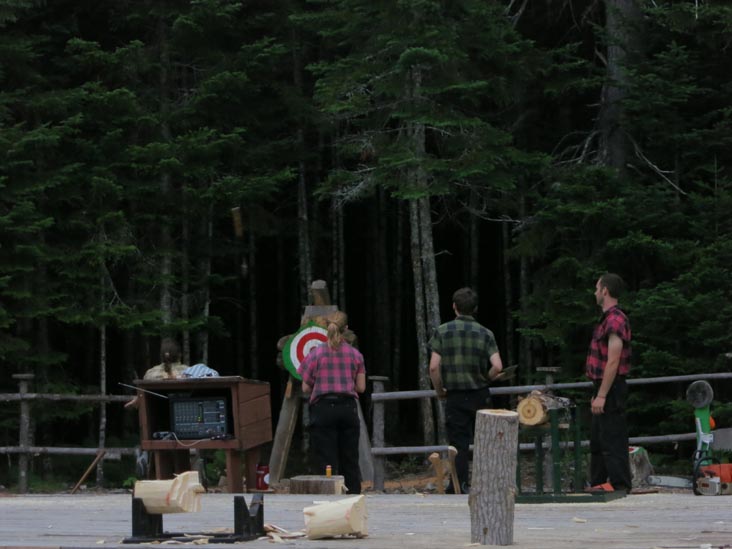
[[187, 168]]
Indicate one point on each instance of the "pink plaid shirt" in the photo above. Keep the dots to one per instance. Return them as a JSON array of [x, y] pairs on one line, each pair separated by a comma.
[[332, 371]]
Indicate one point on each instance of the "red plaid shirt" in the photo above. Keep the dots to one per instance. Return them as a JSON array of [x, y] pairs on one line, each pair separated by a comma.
[[332, 371], [613, 321]]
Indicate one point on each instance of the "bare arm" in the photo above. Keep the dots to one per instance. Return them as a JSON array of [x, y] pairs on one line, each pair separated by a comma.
[[306, 389], [436, 375], [614, 349], [496, 366], [360, 382]]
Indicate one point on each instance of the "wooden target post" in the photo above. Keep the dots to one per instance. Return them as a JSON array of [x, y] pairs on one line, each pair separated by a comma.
[[493, 490]]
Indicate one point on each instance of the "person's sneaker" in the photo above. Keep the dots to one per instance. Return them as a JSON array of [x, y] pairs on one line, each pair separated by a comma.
[[606, 487]]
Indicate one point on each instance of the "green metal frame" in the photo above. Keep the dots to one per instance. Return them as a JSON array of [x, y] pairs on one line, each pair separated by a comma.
[[557, 496]]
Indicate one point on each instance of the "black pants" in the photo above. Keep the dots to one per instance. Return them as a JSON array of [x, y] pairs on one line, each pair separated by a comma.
[[334, 434], [460, 410], [609, 459]]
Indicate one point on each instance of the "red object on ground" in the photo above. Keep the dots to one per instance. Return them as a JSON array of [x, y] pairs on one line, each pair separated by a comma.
[[262, 477], [606, 487]]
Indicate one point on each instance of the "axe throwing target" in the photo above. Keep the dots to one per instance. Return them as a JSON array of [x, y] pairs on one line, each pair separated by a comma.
[[299, 345]]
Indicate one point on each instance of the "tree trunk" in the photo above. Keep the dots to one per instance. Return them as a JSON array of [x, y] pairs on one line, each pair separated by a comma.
[[493, 490], [428, 429], [303, 232], [204, 267], [397, 303], [525, 361], [622, 18], [432, 300], [337, 255], [473, 241], [166, 262], [252, 301], [102, 385], [185, 275], [508, 292]]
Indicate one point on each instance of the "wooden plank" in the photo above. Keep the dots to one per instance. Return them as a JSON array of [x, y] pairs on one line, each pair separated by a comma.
[[250, 389], [283, 435], [256, 434], [254, 410]]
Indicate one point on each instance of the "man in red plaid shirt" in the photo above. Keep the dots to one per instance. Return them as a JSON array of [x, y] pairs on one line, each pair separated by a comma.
[[608, 362]]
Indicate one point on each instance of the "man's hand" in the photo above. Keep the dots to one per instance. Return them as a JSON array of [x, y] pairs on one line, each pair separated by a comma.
[[598, 405], [441, 393]]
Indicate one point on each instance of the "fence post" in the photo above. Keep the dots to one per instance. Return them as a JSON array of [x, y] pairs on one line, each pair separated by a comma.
[[24, 439], [377, 438]]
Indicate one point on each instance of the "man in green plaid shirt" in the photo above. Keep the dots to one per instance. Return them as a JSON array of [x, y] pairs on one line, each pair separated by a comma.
[[464, 360]]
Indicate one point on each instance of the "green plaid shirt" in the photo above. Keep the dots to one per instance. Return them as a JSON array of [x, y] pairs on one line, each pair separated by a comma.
[[465, 348]]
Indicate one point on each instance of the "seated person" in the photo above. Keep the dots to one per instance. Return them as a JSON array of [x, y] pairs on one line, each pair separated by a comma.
[[170, 366]]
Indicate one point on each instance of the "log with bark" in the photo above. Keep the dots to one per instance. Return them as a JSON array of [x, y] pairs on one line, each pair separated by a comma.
[[181, 494], [345, 517], [493, 490], [534, 409]]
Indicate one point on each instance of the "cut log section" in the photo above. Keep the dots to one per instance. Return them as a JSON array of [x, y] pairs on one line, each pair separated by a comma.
[[346, 517], [493, 491], [181, 494], [318, 484], [534, 409]]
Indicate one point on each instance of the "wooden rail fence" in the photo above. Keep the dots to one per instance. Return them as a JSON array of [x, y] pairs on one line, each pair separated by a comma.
[[378, 398]]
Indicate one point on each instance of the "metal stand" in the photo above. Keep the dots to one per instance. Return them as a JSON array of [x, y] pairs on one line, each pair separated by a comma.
[[248, 524], [557, 496]]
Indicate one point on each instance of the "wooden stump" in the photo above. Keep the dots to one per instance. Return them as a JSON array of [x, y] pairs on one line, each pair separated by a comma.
[[318, 484], [493, 489], [336, 518]]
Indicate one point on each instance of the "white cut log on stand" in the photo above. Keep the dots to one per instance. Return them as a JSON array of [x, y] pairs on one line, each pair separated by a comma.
[[337, 518], [181, 494], [534, 409], [493, 489]]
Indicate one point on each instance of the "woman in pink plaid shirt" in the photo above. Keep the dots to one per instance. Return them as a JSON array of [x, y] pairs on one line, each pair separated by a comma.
[[333, 373]]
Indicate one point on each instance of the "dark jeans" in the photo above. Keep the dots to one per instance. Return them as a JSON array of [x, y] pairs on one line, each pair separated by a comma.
[[609, 459], [334, 434], [460, 410]]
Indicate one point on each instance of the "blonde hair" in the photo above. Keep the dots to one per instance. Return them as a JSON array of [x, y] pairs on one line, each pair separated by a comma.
[[337, 323]]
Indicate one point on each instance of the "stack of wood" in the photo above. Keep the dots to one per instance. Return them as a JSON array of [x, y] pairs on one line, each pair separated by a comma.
[[181, 494], [345, 517], [534, 409]]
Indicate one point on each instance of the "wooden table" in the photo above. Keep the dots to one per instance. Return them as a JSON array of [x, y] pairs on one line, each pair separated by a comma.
[[249, 424]]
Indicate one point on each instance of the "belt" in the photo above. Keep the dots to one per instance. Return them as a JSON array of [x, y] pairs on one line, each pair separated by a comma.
[[334, 396]]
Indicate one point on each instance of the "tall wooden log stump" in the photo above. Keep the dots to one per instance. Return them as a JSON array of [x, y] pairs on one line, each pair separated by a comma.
[[493, 490]]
